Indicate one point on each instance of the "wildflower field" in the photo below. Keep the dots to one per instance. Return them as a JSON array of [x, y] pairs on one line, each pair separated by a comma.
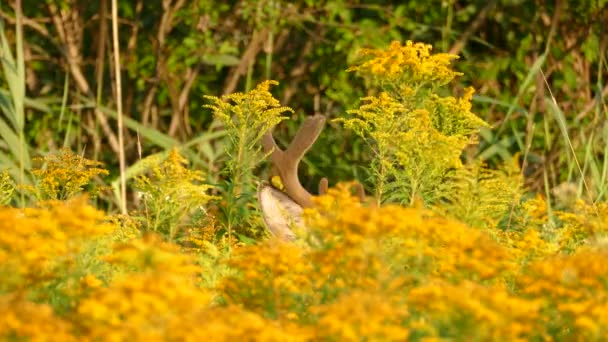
[[451, 213]]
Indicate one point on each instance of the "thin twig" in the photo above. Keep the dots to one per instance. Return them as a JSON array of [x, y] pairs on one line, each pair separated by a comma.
[[254, 47], [33, 24], [473, 27], [182, 104], [18, 101], [100, 63], [121, 150]]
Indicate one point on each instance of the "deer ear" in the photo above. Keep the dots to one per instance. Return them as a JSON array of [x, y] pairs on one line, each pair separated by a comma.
[[281, 214]]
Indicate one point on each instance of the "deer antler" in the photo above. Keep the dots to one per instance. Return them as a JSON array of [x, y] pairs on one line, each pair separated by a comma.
[[286, 162]]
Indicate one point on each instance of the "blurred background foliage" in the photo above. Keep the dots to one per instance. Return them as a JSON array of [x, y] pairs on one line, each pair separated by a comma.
[[539, 69]]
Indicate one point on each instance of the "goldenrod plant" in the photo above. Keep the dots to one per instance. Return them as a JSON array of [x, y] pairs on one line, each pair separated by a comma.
[[416, 134], [247, 117], [7, 188], [484, 197], [429, 277], [63, 175], [362, 272], [36, 241], [173, 198]]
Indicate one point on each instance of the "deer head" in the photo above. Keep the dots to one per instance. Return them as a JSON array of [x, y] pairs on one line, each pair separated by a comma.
[[283, 211]]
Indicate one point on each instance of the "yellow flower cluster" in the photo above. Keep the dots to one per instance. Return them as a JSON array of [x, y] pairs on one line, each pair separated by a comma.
[[160, 300], [452, 116], [393, 273], [141, 307], [384, 273], [171, 195], [364, 272], [38, 247], [246, 117], [7, 188], [584, 224], [417, 136], [573, 290], [483, 197], [412, 62], [233, 323], [35, 241], [427, 152], [419, 239], [154, 295], [527, 245], [256, 111], [359, 272], [484, 313], [279, 281], [373, 316], [63, 175], [23, 320]]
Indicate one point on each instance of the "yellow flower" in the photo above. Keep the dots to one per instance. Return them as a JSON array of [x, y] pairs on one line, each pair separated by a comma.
[[257, 111], [416, 135], [34, 241], [141, 305], [412, 62], [24, 320], [64, 175], [363, 315], [573, 289], [90, 281], [470, 309], [171, 194], [279, 280]]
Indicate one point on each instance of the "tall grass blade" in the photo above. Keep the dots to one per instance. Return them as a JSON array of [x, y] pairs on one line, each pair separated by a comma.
[[561, 121], [534, 70], [13, 102]]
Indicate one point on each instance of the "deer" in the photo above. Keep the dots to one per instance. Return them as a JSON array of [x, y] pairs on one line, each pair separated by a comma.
[[282, 211]]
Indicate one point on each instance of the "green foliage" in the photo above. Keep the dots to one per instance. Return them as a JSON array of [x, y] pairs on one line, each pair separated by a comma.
[[7, 188], [173, 198], [14, 151], [483, 197]]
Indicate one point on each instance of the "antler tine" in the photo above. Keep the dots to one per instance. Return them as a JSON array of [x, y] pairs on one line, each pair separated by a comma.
[[286, 162], [270, 146], [360, 191], [306, 136], [323, 186]]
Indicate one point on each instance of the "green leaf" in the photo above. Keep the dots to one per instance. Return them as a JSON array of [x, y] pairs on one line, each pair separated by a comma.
[[223, 59]]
